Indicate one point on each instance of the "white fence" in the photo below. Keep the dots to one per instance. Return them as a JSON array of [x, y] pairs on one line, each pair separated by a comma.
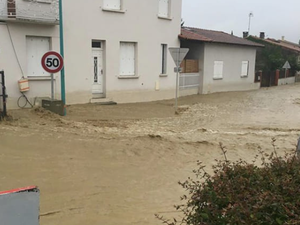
[[189, 80], [288, 80]]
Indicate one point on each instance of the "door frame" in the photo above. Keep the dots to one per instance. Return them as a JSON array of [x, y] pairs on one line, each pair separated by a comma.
[[103, 49]]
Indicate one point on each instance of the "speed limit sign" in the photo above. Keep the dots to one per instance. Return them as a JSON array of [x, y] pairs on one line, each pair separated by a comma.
[[52, 62]]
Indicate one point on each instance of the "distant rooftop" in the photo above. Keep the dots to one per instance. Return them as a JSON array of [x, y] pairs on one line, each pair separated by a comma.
[[196, 34], [282, 43]]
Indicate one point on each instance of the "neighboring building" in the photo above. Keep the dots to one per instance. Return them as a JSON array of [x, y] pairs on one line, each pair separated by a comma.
[[28, 29], [273, 57], [114, 49], [118, 49], [226, 62], [276, 53]]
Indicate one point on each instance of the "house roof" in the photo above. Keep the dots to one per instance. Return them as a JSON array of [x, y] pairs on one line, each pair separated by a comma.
[[196, 34], [285, 44]]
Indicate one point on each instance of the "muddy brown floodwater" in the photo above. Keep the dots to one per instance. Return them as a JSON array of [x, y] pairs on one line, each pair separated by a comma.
[[120, 164]]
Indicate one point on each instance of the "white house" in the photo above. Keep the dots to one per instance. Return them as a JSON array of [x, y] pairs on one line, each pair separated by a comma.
[[114, 49], [28, 29], [225, 62]]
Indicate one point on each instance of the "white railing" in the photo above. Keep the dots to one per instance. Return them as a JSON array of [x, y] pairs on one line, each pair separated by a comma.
[[44, 11], [189, 80]]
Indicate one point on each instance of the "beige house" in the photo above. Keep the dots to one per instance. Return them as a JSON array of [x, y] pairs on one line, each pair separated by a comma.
[[225, 62], [114, 49]]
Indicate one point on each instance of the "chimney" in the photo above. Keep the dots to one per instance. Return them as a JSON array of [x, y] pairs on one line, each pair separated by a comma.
[[282, 38], [245, 34], [262, 35]]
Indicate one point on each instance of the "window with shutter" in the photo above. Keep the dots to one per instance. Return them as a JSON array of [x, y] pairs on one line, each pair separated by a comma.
[[36, 47], [218, 70], [164, 50], [164, 8], [245, 68], [112, 4], [127, 59]]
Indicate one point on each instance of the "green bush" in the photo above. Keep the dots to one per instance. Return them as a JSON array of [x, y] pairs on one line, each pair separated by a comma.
[[243, 193]]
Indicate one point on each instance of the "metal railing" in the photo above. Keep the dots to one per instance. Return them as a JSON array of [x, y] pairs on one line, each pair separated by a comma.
[[189, 80], [3, 96]]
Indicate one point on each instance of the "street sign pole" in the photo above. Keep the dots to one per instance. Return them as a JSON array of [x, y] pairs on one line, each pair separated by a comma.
[[285, 75], [178, 55], [286, 66], [177, 81], [62, 73], [52, 62], [52, 87]]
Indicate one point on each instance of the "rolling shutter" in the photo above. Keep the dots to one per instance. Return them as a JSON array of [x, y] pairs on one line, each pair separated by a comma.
[[127, 59], [218, 70], [36, 48], [245, 66], [112, 4], [163, 9]]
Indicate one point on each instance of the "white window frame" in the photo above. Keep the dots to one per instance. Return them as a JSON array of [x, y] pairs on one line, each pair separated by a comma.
[[218, 70], [106, 7], [164, 59], [37, 55], [126, 61], [162, 15], [245, 69]]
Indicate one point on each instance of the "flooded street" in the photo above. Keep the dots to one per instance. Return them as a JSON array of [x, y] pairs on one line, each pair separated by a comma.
[[120, 164]]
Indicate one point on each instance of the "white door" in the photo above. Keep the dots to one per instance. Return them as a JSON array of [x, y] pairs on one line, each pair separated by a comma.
[[97, 72]]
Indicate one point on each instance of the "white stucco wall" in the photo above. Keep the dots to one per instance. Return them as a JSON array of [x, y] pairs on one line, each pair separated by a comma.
[[139, 23], [3, 9], [288, 80], [43, 10], [9, 58], [232, 56]]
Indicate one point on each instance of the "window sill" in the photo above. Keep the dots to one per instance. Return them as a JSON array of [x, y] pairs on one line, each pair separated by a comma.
[[163, 75], [113, 10], [164, 18], [40, 78], [217, 78], [244, 76], [128, 77]]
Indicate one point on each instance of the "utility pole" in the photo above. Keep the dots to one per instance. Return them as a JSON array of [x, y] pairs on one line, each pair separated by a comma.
[[249, 26], [62, 73]]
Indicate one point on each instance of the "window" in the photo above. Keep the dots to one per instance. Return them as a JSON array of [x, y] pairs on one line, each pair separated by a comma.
[[36, 47], [164, 50], [218, 70], [164, 8], [112, 4], [96, 44], [127, 58], [245, 68]]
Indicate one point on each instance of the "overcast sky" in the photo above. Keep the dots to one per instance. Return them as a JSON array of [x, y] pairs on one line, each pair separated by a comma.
[[276, 18]]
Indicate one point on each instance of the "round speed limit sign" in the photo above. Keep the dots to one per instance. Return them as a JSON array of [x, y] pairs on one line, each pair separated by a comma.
[[52, 62]]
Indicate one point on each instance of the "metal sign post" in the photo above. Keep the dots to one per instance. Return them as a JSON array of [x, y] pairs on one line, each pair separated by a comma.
[[52, 62], [286, 66], [61, 41], [178, 54]]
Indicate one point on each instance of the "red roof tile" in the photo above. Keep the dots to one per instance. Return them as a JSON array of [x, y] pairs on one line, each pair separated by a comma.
[[196, 34]]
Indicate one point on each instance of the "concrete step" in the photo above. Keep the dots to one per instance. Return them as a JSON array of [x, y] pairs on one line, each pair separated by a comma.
[[103, 101]]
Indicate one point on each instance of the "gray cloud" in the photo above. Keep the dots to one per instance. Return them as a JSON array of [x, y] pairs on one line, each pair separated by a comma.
[[275, 18]]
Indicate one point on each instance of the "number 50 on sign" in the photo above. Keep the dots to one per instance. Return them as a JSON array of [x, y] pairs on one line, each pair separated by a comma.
[[52, 62]]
